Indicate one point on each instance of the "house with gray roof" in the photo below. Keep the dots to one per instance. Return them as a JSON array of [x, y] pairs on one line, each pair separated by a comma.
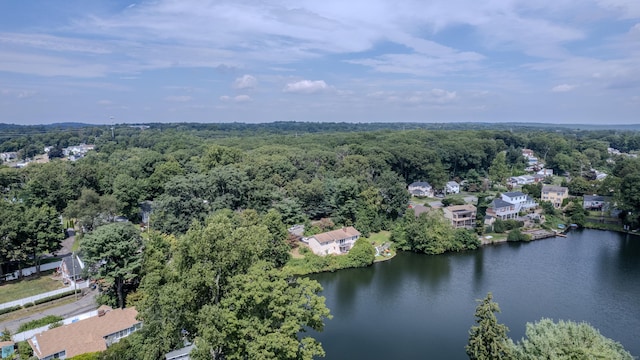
[[596, 202], [502, 210]]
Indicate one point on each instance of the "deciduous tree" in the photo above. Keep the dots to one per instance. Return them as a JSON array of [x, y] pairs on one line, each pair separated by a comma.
[[114, 253], [546, 339]]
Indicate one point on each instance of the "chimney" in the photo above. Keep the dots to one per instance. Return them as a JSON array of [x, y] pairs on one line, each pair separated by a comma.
[[344, 228]]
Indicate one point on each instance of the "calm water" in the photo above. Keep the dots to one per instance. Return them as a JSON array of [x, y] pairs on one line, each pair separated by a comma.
[[421, 307]]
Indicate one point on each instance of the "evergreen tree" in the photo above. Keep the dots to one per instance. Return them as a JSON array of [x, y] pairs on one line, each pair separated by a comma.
[[488, 339]]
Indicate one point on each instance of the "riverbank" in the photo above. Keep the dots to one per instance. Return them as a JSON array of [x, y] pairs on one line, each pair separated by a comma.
[[425, 304], [535, 234]]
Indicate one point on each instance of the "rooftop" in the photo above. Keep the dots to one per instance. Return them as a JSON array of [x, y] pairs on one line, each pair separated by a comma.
[[554, 188], [334, 235], [513, 194], [499, 203], [420, 184], [83, 336]]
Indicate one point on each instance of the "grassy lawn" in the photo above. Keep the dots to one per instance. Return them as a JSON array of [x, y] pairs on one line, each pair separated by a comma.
[[380, 238], [30, 286], [494, 238], [552, 221]]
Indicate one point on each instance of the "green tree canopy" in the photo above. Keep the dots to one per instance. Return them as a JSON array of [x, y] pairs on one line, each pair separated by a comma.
[[114, 252], [567, 340]]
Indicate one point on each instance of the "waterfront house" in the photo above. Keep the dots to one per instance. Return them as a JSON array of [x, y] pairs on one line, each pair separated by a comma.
[[521, 200], [554, 194], [596, 202], [461, 216], [502, 210], [334, 242]]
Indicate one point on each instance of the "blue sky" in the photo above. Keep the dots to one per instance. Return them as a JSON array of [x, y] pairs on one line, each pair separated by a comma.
[[555, 61]]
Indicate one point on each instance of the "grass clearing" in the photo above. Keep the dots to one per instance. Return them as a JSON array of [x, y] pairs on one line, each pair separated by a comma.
[[379, 238], [29, 286]]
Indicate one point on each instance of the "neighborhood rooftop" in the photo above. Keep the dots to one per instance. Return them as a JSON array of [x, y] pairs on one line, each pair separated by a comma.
[[334, 235], [83, 336], [499, 203], [514, 194], [554, 188]]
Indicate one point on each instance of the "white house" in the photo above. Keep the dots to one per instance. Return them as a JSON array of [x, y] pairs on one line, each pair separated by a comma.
[[8, 156], [522, 180], [334, 242], [421, 188], [545, 172], [452, 187], [521, 200]]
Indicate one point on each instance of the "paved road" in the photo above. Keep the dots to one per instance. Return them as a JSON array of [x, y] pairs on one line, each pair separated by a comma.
[[85, 304]]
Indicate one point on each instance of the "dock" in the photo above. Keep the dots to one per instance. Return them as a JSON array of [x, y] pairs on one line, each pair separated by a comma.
[[541, 234]]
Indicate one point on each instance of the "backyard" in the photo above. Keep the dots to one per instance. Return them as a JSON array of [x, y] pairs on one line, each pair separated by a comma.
[[29, 286]]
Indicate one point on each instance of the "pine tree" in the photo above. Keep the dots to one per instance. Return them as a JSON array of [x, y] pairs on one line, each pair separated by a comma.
[[488, 339]]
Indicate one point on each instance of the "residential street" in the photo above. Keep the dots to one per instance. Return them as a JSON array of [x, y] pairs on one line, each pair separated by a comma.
[[85, 304]]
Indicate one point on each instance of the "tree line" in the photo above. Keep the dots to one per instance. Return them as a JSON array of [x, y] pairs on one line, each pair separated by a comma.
[[209, 267]]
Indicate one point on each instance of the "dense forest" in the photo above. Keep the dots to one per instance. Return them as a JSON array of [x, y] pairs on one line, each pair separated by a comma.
[[223, 195]]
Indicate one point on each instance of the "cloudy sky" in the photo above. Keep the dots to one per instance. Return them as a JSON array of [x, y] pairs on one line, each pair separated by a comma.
[[558, 61]]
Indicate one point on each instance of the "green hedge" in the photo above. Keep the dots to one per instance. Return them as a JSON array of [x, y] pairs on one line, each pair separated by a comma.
[[34, 324], [55, 297], [10, 309]]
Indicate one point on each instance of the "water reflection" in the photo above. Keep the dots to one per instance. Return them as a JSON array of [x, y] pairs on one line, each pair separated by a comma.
[[478, 270], [423, 305], [347, 289]]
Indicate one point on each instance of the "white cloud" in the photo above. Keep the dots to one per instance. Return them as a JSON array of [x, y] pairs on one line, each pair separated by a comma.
[[19, 94], [441, 96], [178, 98], [563, 88], [237, 99], [245, 82], [433, 96], [105, 102], [305, 87]]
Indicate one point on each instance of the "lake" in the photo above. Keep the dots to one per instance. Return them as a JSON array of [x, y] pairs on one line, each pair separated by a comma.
[[422, 306]]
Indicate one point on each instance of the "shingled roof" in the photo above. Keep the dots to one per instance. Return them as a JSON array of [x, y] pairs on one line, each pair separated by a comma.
[[335, 235], [83, 336]]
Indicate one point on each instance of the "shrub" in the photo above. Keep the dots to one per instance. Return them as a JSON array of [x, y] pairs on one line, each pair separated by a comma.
[[24, 350], [516, 235], [55, 325], [28, 305], [34, 324], [10, 309], [361, 254], [55, 297]]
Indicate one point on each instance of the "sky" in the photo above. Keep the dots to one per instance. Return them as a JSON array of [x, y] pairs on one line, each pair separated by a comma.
[[102, 62]]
